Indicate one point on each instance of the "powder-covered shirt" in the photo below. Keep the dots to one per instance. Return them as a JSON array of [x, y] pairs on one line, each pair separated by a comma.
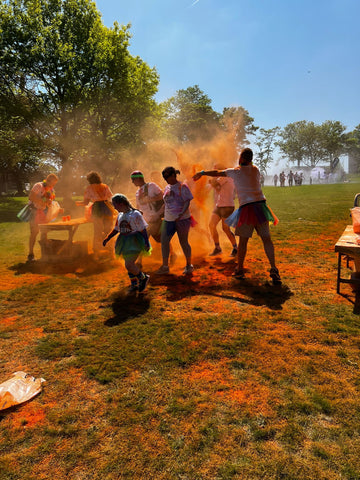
[[41, 196], [174, 197], [224, 195], [143, 194], [130, 222], [97, 192], [247, 183]]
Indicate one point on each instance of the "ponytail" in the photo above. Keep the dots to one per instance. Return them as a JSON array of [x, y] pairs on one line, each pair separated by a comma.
[[120, 198]]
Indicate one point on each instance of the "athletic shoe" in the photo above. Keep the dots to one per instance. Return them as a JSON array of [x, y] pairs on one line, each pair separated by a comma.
[[233, 252], [239, 274], [133, 288], [216, 251], [275, 276], [143, 282], [163, 270], [188, 269]]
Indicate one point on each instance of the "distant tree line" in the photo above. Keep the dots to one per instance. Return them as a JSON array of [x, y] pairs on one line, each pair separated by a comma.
[[72, 96]]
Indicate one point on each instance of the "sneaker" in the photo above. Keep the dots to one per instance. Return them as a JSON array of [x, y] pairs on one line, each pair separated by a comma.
[[133, 288], [233, 252], [275, 276], [239, 274], [216, 251], [144, 282], [30, 257], [188, 269], [163, 270]]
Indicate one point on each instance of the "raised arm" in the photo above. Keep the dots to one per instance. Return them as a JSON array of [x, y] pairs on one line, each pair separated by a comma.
[[209, 173]]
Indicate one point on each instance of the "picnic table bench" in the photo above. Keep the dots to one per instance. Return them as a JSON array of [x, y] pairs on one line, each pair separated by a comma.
[[348, 249], [62, 250]]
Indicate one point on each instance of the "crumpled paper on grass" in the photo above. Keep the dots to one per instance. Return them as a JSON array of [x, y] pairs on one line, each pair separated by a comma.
[[19, 389]]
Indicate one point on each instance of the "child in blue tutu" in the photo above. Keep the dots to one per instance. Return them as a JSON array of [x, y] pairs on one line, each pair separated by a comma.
[[253, 213], [132, 241]]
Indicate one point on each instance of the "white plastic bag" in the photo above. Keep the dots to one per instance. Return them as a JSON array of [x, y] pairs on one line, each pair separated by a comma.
[[53, 211], [19, 389]]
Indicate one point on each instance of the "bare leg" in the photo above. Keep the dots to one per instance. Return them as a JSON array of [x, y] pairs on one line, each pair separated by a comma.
[[131, 266], [269, 250], [34, 230], [241, 253], [183, 236], [214, 220], [228, 233]]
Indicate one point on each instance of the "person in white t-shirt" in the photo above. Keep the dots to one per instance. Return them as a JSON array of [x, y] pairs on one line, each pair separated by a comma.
[[253, 213], [132, 240], [224, 206], [177, 219], [149, 199]]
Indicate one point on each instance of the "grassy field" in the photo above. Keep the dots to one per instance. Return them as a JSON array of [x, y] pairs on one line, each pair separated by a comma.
[[201, 378]]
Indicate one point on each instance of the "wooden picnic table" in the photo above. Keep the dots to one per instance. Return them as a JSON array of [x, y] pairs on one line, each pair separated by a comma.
[[58, 250], [348, 249]]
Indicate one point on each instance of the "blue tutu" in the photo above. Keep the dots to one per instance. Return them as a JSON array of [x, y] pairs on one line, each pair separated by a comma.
[[131, 245]]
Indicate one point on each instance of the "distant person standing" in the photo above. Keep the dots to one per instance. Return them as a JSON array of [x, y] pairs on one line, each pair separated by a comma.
[[98, 195], [282, 179], [41, 197], [224, 206], [276, 178], [290, 178], [262, 179], [253, 213]]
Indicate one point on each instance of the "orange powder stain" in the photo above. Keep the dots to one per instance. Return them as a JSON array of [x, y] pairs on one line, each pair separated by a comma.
[[253, 395], [8, 320], [29, 416], [10, 282]]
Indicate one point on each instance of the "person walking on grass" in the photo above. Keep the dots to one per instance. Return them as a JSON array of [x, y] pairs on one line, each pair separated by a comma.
[[149, 200], [132, 241], [224, 206], [41, 197], [177, 219], [98, 195], [253, 213]]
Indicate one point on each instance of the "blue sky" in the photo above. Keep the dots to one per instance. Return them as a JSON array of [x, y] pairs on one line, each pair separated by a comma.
[[282, 60]]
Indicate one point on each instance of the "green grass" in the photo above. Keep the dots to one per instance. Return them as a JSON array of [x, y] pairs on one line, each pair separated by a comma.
[[195, 380]]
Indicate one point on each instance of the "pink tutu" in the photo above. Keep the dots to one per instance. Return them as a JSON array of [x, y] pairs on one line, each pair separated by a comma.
[[252, 214]]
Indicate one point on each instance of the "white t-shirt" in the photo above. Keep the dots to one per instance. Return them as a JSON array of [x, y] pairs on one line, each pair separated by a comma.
[[224, 196], [146, 191], [174, 197], [130, 222], [247, 183]]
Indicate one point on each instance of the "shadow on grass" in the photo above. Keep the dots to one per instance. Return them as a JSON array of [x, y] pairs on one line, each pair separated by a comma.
[[215, 280], [126, 306], [82, 267]]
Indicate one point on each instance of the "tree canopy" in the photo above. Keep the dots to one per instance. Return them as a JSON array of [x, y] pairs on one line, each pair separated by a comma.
[[189, 116], [306, 143], [74, 77]]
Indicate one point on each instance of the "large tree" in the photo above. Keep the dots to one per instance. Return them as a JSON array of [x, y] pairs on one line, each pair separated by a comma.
[[89, 94], [306, 143], [189, 116], [237, 121], [266, 143]]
